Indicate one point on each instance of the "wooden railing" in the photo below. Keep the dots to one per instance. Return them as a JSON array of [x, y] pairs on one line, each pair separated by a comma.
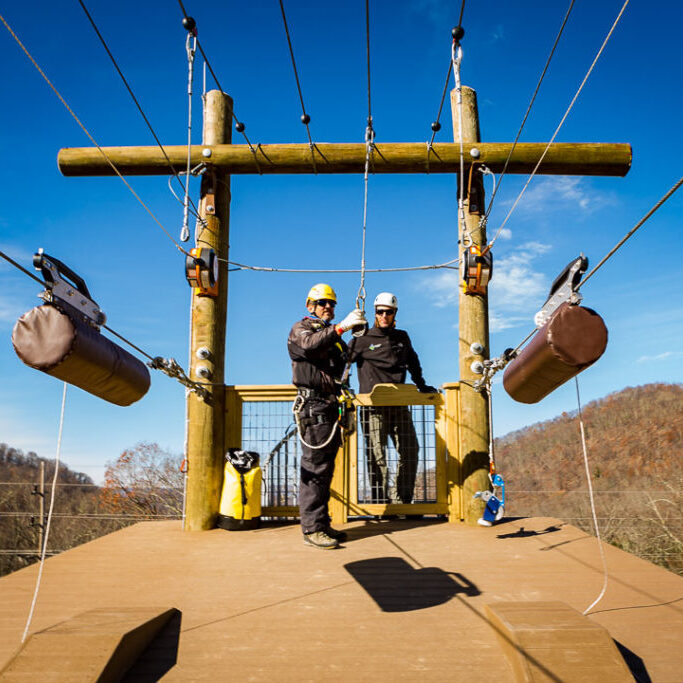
[[259, 418]]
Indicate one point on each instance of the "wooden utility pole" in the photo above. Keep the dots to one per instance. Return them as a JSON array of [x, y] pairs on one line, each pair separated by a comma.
[[473, 323], [206, 418], [41, 507]]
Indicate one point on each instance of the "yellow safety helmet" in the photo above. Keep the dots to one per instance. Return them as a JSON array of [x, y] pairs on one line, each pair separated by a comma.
[[321, 291]]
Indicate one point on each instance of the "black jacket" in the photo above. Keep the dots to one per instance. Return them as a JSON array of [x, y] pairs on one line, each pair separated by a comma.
[[383, 356], [318, 355]]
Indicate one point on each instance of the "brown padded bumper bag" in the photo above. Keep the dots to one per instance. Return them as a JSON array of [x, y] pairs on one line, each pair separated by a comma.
[[62, 346], [573, 338]]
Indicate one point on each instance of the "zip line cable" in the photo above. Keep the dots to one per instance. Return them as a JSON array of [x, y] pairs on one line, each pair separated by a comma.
[[631, 232], [137, 103], [452, 264], [305, 117], [90, 137], [49, 518], [462, 11], [528, 111], [640, 223], [436, 125], [592, 501], [557, 130]]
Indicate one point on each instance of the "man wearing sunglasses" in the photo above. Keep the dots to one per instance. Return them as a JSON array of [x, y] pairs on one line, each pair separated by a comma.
[[385, 355], [318, 359]]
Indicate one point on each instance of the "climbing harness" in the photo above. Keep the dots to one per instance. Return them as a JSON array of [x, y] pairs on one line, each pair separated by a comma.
[[303, 422], [190, 49], [201, 271]]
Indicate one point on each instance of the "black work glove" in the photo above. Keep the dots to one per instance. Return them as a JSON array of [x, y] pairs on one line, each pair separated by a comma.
[[427, 389]]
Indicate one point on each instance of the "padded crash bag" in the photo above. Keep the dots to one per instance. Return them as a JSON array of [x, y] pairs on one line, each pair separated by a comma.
[[573, 339], [65, 347]]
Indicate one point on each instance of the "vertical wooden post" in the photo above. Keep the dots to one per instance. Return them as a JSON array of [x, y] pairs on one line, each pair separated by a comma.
[[473, 327], [206, 420]]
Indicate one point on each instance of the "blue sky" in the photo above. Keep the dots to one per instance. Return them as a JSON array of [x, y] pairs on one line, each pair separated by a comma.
[[136, 274]]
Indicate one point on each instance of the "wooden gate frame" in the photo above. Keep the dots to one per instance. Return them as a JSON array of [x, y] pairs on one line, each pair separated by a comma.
[[344, 489]]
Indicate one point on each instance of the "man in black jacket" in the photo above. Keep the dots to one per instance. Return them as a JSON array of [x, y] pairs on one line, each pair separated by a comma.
[[318, 359], [384, 355]]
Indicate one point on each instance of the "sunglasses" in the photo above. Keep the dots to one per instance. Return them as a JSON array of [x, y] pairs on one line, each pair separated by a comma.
[[385, 311], [326, 302]]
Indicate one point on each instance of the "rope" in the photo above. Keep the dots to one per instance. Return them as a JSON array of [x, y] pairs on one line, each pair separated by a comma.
[[137, 104], [452, 264], [564, 118], [456, 59], [369, 147], [632, 231], [526, 115], [90, 137], [49, 518], [592, 500], [305, 118], [190, 48]]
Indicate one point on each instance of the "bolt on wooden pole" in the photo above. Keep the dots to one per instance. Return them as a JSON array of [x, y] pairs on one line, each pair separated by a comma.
[[473, 327], [205, 435]]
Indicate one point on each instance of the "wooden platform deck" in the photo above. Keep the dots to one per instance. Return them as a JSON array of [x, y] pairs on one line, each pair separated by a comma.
[[403, 600]]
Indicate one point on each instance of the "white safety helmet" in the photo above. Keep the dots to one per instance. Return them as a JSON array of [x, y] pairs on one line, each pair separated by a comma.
[[386, 299]]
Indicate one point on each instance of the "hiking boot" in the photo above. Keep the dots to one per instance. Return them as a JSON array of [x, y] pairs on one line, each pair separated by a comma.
[[319, 539], [340, 536]]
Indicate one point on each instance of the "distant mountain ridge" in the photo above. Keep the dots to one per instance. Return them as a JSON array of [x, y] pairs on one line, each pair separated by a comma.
[[634, 436]]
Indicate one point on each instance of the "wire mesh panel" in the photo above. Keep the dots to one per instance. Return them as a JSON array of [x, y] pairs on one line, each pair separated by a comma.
[[396, 454], [268, 428]]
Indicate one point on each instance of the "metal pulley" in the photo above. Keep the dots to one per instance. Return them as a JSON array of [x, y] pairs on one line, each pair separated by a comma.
[[476, 269], [201, 271]]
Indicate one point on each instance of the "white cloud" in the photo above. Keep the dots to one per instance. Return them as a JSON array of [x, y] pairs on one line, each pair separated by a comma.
[[556, 192], [661, 356], [505, 234]]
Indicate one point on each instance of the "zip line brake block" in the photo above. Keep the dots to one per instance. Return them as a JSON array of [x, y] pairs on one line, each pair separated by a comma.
[[66, 290], [563, 289], [476, 270], [201, 271]]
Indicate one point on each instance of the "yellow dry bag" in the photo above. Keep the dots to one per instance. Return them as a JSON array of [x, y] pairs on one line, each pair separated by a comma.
[[240, 506]]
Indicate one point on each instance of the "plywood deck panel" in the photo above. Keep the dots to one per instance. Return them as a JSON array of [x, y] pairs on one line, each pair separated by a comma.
[[402, 599]]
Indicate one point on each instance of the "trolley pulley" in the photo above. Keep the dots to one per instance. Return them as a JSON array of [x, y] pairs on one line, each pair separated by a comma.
[[201, 271], [476, 269]]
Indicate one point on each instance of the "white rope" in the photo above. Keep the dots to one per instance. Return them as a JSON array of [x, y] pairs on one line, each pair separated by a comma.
[[592, 500], [322, 445], [49, 518], [369, 146], [564, 118], [190, 48], [456, 59]]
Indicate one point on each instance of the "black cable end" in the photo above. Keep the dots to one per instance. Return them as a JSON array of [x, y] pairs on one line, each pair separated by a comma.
[[239, 127], [305, 119], [190, 24], [458, 33], [436, 126]]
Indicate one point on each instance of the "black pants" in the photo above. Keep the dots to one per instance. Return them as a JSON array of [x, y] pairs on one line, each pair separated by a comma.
[[317, 417]]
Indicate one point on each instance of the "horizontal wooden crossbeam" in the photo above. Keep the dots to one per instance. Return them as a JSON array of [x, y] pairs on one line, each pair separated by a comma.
[[389, 157]]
